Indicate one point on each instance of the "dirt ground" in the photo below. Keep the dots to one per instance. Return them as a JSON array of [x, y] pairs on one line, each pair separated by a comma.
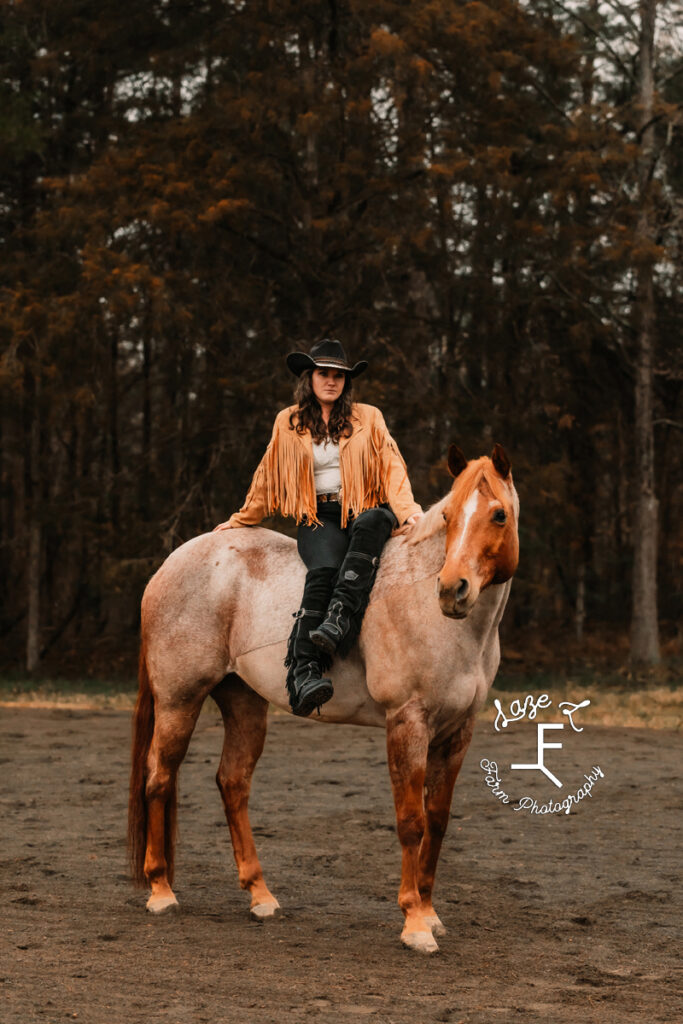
[[550, 918]]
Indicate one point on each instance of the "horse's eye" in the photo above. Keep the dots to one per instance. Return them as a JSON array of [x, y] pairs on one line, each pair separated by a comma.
[[445, 518], [499, 516]]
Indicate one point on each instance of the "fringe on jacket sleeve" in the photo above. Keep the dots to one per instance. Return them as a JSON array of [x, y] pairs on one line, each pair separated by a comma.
[[283, 481], [362, 475], [291, 479], [255, 507], [394, 471]]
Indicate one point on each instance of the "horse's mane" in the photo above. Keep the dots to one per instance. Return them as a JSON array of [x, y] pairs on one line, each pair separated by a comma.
[[430, 523], [463, 485]]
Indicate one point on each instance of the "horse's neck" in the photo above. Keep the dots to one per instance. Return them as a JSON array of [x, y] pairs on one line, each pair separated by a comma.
[[486, 615]]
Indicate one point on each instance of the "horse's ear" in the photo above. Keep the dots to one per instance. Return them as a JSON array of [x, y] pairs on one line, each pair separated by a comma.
[[456, 460], [500, 461]]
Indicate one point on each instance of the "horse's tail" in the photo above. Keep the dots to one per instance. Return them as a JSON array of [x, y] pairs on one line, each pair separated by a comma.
[[143, 730]]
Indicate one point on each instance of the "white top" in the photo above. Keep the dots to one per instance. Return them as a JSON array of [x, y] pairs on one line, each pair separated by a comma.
[[326, 467]]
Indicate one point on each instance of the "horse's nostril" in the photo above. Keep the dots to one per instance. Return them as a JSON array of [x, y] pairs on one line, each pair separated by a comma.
[[462, 591]]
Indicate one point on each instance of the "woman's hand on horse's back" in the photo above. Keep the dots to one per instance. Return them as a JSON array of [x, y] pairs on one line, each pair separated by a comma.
[[223, 526], [408, 525]]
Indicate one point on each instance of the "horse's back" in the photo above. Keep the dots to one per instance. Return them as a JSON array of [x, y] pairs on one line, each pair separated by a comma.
[[217, 596]]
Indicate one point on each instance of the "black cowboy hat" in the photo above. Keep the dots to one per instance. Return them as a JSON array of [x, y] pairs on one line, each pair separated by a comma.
[[325, 354]]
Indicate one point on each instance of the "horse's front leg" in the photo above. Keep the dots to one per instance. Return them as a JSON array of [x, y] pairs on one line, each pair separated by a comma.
[[444, 761], [407, 746]]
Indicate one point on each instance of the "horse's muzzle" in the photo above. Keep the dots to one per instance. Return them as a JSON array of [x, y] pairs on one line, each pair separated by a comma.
[[456, 600]]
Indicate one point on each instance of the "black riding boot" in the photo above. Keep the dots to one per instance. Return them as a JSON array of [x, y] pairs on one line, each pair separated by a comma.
[[306, 685], [344, 618]]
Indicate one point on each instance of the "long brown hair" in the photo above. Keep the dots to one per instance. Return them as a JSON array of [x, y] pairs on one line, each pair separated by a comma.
[[309, 416]]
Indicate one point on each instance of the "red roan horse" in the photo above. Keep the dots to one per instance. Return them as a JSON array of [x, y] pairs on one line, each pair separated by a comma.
[[215, 621]]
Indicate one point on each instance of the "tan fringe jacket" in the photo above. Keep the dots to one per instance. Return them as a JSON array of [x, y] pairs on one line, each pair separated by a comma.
[[372, 472]]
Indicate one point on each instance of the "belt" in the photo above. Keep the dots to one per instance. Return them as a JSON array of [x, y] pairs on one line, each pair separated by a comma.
[[334, 496]]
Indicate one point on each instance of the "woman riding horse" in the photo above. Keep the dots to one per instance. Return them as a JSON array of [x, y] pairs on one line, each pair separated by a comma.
[[332, 464]]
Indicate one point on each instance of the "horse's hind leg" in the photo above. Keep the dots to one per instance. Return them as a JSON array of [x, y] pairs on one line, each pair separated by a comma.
[[444, 761], [244, 719], [173, 728]]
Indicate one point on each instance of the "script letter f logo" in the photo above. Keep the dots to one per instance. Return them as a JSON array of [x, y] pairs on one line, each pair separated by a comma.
[[542, 745]]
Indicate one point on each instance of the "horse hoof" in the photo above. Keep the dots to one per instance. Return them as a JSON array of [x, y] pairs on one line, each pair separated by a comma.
[[162, 904], [434, 922], [260, 911], [421, 942]]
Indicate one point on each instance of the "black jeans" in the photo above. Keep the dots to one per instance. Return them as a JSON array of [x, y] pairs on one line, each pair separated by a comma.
[[326, 546]]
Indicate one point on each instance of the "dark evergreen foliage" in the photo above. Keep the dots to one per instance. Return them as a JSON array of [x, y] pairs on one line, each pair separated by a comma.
[[189, 192]]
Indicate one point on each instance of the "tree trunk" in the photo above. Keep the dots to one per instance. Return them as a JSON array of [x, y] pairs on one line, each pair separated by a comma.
[[580, 605], [644, 625], [114, 461], [34, 533], [146, 467]]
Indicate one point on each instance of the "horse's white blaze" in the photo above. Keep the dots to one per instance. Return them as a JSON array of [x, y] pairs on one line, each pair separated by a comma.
[[469, 508]]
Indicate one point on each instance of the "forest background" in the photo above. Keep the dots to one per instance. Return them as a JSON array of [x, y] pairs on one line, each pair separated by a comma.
[[484, 199]]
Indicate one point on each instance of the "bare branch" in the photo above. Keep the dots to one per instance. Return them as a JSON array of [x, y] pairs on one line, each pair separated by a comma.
[[594, 32], [667, 423], [625, 13]]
